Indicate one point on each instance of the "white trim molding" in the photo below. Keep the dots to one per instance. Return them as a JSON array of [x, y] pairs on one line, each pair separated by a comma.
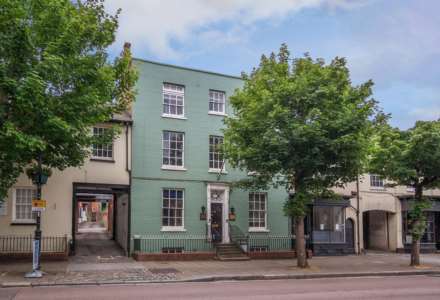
[[173, 117], [217, 171], [172, 229]]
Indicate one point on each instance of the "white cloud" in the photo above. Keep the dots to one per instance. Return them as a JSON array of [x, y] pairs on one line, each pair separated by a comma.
[[157, 24], [427, 113], [400, 46]]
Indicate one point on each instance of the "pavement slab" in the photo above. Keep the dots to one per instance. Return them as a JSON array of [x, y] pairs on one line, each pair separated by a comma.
[[76, 272]]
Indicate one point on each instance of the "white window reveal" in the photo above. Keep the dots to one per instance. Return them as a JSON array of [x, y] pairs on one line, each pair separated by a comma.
[[172, 209], [257, 211], [217, 102], [4, 207], [172, 150], [23, 205], [216, 160], [376, 181], [102, 151], [173, 100]]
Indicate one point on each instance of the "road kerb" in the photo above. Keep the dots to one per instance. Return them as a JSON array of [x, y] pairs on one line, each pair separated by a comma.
[[245, 277]]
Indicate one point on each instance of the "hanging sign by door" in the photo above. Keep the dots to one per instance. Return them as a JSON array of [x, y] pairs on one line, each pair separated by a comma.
[[38, 205]]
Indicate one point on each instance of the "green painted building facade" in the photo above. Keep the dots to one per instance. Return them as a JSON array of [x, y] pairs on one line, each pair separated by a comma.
[[181, 194]]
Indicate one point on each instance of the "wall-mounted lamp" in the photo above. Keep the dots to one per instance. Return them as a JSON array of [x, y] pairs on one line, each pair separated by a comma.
[[203, 213], [232, 214]]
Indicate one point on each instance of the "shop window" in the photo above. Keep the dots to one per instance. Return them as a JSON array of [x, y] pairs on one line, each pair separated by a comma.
[[428, 236], [328, 224]]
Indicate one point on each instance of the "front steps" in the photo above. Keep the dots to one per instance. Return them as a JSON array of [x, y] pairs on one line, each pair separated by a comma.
[[230, 252]]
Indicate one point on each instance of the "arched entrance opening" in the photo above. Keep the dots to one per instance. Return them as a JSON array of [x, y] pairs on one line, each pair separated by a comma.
[[376, 230]]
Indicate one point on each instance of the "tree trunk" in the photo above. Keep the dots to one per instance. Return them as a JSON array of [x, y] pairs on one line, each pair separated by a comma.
[[415, 245], [300, 243], [415, 253]]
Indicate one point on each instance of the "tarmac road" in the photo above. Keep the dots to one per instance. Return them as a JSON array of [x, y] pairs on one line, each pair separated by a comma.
[[411, 287]]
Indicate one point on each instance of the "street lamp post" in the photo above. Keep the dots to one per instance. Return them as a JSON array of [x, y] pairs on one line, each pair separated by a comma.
[[36, 247]]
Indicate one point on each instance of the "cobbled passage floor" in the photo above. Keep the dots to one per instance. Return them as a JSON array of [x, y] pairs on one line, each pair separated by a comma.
[[99, 277], [112, 276]]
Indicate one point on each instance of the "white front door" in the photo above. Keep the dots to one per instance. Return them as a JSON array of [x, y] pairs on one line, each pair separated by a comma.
[[218, 212]]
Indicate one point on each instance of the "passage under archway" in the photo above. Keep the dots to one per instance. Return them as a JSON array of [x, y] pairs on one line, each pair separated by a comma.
[[376, 230]]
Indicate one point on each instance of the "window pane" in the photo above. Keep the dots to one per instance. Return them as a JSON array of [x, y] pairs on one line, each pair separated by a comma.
[[376, 181], [173, 99], [216, 101], [172, 148], [257, 210], [172, 211], [23, 204], [102, 150], [215, 156]]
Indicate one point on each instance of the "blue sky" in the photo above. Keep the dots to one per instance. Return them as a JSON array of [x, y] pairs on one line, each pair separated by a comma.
[[396, 43]]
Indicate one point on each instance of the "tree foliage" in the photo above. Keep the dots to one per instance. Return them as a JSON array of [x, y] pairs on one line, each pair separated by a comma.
[[300, 123], [56, 80], [410, 158]]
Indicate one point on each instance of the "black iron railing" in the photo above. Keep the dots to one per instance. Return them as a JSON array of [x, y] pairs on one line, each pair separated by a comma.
[[172, 243], [238, 237], [271, 243]]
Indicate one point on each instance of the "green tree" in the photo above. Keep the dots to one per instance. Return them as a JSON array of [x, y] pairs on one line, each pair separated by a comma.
[[299, 123], [410, 158], [56, 81]]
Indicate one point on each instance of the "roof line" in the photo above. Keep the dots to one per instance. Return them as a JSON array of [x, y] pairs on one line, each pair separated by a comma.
[[186, 68]]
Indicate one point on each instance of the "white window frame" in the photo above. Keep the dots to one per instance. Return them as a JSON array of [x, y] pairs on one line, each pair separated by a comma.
[[212, 100], [374, 178], [14, 205], [222, 162], [174, 167], [173, 228], [104, 128], [175, 90], [253, 228]]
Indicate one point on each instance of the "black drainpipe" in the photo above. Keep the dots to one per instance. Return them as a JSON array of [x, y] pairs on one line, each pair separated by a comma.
[[129, 184]]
